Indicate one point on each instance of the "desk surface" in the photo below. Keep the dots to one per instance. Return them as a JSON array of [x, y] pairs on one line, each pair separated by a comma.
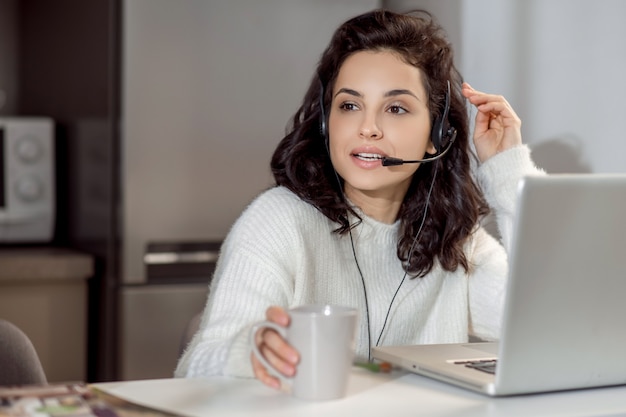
[[396, 394]]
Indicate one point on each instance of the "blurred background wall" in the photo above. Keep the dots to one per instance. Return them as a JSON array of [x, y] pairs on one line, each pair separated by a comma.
[[560, 63]]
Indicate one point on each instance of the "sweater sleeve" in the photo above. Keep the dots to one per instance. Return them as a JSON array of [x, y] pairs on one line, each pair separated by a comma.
[[253, 272], [498, 177]]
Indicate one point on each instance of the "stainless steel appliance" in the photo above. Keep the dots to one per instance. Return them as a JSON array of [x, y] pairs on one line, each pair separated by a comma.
[[27, 180]]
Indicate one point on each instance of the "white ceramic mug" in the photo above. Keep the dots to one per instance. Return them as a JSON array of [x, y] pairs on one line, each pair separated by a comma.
[[324, 337]]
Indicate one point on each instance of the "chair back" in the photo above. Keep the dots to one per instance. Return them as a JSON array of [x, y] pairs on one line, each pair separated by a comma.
[[19, 362]]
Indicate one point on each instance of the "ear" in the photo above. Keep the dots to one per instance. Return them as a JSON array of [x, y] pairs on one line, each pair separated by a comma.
[[431, 149]]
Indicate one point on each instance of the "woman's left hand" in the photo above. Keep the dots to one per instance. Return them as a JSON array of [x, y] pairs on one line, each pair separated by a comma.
[[497, 128]]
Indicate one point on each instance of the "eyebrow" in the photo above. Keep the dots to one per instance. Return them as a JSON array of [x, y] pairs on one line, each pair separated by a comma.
[[391, 93]]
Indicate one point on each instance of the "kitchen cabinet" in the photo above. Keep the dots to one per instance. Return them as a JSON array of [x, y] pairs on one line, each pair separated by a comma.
[[43, 291]]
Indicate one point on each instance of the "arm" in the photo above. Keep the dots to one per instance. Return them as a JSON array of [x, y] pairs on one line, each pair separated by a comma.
[[255, 271], [498, 178], [504, 162], [242, 289]]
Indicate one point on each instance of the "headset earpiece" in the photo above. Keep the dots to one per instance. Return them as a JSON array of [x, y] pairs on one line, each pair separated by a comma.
[[323, 127], [441, 131]]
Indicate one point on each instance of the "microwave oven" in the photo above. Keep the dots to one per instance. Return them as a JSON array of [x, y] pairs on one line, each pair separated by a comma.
[[27, 180]]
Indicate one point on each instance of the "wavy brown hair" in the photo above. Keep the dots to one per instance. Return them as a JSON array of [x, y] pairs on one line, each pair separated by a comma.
[[301, 161]]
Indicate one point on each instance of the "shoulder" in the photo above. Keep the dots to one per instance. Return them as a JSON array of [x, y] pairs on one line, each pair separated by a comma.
[[279, 202], [277, 195], [275, 210], [274, 230]]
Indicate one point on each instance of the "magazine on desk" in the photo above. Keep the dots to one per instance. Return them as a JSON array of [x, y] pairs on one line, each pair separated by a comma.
[[68, 400]]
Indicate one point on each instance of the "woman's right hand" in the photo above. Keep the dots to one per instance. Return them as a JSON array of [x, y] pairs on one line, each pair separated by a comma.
[[275, 349]]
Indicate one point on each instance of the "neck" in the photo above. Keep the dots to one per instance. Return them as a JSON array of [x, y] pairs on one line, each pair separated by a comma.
[[379, 206]]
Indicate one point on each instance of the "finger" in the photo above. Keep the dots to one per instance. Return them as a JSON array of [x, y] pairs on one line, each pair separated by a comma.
[[280, 359], [280, 354], [270, 345], [278, 315], [467, 90], [484, 117], [499, 109], [280, 349], [480, 99], [475, 95], [262, 375], [492, 107]]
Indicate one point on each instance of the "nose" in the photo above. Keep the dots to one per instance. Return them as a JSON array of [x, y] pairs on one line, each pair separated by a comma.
[[369, 129]]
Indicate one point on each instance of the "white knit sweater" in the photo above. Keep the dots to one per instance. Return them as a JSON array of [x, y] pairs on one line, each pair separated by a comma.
[[282, 251]]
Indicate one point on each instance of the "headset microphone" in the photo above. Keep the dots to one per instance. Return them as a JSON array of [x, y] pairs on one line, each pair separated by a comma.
[[389, 161]]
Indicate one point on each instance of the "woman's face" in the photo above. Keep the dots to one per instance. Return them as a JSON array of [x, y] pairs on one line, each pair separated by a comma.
[[379, 108]]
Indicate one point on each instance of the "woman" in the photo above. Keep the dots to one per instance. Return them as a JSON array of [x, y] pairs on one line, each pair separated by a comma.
[[401, 243]]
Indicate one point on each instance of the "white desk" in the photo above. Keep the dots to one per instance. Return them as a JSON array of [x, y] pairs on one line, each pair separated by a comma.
[[396, 394]]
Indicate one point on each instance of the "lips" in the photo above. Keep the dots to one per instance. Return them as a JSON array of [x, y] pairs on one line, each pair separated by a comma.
[[368, 156]]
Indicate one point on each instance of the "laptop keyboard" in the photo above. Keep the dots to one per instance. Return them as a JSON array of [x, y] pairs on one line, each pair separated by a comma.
[[484, 365]]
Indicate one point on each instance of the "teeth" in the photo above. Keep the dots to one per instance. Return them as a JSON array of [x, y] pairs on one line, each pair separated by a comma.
[[368, 156]]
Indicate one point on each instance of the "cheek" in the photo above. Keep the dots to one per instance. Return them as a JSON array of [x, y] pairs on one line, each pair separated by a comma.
[[338, 125], [412, 136], [339, 134], [337, 150]]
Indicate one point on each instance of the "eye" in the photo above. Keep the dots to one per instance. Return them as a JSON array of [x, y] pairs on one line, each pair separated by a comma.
[[348, 106], [395, 109]]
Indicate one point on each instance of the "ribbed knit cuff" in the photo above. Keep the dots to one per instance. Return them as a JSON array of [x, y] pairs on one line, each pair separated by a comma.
[[499, 176]]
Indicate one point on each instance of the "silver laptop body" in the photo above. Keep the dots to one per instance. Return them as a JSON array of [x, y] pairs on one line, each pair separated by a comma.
[[564, 324]]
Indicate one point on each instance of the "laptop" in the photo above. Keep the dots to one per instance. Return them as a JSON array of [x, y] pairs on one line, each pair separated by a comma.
[[564, 322]]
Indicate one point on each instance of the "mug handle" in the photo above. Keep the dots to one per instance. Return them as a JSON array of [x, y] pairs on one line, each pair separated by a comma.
[[255, 349]]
